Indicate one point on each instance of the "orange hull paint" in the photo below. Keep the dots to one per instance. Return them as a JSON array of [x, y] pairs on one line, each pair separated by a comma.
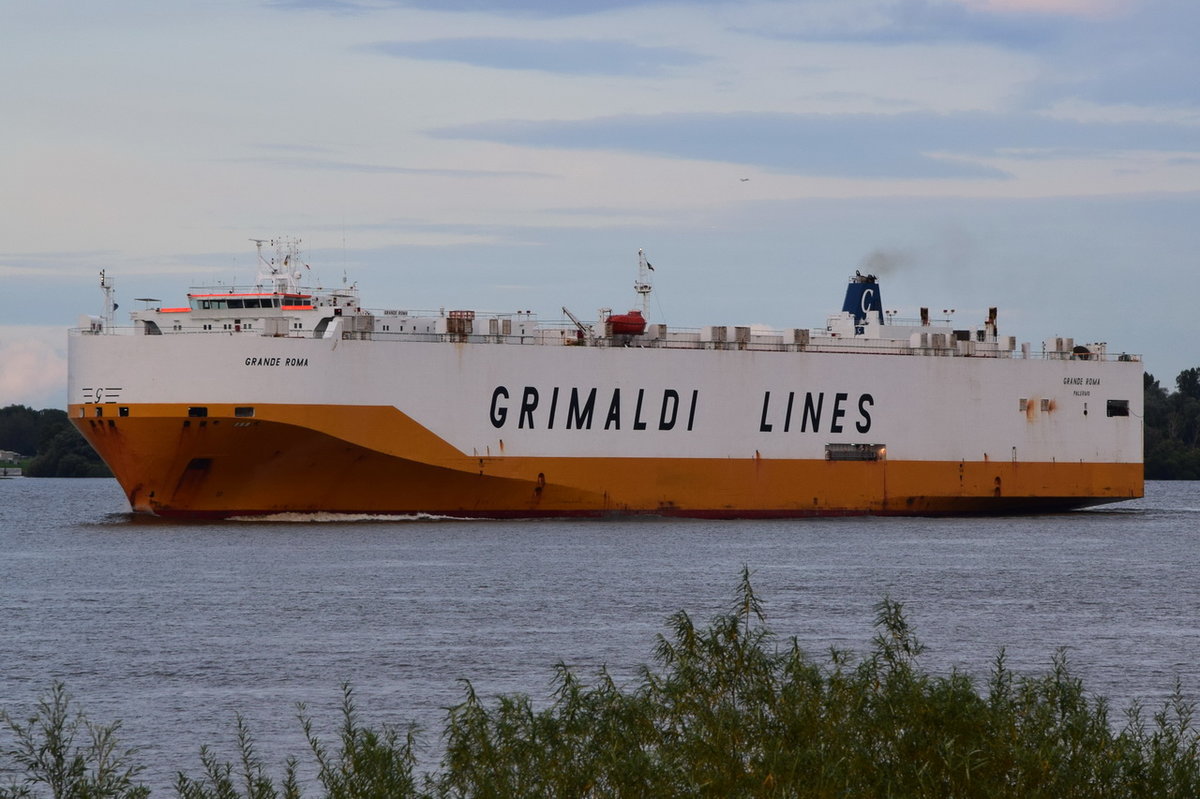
[[375, 459]]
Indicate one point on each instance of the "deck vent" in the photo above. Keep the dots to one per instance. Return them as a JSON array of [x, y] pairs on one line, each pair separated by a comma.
[[1118, 407], [855, 452]]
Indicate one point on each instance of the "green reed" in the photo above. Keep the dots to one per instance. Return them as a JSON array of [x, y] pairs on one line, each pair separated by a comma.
[[57, 752], [726, 710]]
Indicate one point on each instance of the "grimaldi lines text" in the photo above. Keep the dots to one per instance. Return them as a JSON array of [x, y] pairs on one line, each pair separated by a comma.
[[284, 398]]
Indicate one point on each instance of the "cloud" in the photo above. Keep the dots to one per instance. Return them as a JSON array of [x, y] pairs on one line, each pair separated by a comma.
[[33, 366], [881, 22], [549, 8], [55, 265], [1138, 52], [352, 7], [1109, 51], [530, 8], [331, 165], [909, 145], [1075, 8], [562, 56], [1147, 56]]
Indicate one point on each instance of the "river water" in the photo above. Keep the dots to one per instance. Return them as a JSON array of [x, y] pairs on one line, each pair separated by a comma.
[[175, 628]]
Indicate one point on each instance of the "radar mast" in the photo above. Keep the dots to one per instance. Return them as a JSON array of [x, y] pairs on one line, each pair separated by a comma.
[[277, 271]]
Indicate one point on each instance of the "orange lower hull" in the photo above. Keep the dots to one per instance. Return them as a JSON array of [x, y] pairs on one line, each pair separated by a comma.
[[377, 460]]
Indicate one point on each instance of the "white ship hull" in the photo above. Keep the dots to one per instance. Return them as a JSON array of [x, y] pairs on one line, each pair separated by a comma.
[[480, 428]]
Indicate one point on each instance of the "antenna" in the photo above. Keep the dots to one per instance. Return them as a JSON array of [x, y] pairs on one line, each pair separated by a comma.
[[258, 244]]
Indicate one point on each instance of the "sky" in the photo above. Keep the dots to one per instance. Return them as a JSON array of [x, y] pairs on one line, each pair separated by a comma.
[[1042, 156]]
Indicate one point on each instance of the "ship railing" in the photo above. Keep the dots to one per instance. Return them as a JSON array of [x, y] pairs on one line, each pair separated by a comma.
[[683, 340], [677, 339]]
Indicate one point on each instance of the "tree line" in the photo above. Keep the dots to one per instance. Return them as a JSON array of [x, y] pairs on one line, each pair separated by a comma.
[[1172, 429], [54, 448], [49, 444]]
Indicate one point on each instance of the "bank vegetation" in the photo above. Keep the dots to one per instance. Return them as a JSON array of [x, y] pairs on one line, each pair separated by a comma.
[[727, 709]]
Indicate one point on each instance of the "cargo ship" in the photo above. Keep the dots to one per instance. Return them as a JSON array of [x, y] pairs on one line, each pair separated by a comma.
[[280, 398]]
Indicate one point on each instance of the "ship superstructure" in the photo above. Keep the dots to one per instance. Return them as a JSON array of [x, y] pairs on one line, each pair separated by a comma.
[[283, 398]]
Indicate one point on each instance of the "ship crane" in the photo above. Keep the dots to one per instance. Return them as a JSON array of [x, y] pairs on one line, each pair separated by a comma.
[[584, 331]]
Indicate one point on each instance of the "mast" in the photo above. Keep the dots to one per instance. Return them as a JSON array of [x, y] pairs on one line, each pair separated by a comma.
[[110, 307], [277, 271], [642, 285]]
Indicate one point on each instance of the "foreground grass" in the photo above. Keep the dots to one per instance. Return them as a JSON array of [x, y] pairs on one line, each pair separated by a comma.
[[727, 710]]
